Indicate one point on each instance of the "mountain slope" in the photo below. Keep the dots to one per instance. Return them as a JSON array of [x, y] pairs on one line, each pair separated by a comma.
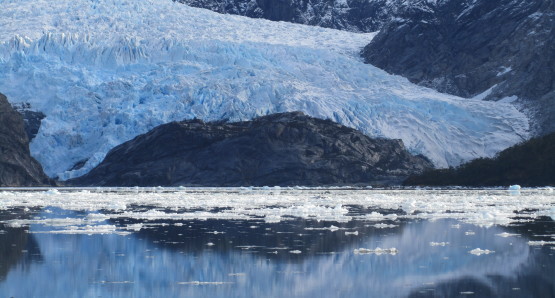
[[284, 149], [531, 163], [17, 167], [499, 50], [108, 71], [350, 15]]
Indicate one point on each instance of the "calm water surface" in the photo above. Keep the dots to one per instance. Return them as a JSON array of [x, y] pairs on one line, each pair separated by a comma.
[[46, 251]]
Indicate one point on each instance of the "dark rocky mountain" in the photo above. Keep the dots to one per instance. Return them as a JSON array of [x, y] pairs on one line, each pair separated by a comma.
[[531, 163], [351, 15], [279, 149], [17, 167], [469, 47]]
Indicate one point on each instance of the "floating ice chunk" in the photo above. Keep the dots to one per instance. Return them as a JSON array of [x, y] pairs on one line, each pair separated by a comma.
[[541, 243], [205, 283], [439, 243], [479, 252], [547, 189], [295, 251], [352, 233], [330, 228], [384, 226], [467, 293], [52, 192], [490, 217], [377, 251], [272, 218], [376, 216], [209, 244], [237, 274], [514, 187], [333, 228], [116, 205], [551, 213], [505, 235], [469, 233], [134, 227], [409, 206], [87, 230]]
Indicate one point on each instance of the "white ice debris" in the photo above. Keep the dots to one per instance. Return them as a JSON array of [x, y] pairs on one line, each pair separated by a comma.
[[295, 251], [540, 243], [550, 213], [377, 251], [439, 243], [479, 251], [479, 207], [205, 283], [514, 187], [505, 235], [355, 233], [105, 71], [330, 228], [547, 189], [134, 227], [384, 226], [52, 192], [87, 230]]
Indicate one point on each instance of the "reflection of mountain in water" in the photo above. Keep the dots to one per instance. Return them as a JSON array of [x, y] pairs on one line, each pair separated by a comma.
[[17, 246], [260, 238], [153, 262]]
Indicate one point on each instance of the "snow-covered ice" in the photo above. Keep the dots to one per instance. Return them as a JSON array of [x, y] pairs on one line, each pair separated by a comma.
[[104, 71]]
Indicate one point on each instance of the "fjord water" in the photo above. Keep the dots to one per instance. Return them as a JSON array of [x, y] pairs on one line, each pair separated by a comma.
[[274, 242]]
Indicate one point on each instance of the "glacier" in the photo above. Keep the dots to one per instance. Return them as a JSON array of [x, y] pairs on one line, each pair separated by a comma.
[[105, 71]]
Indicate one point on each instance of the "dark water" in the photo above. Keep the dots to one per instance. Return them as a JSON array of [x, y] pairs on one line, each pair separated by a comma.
[[223, 258]]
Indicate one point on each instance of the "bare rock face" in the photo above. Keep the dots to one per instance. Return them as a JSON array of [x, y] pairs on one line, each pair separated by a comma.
[[351, 15], [17, 167], [501, 49], [280, 149]]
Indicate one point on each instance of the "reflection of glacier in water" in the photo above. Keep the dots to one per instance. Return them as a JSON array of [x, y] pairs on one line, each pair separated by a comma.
[[253, 257]]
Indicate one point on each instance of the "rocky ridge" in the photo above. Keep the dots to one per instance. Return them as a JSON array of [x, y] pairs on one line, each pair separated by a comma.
[[17, 167], [283, 149]]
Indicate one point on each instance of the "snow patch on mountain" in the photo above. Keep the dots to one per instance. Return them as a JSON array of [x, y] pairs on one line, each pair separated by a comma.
[[104, 71]]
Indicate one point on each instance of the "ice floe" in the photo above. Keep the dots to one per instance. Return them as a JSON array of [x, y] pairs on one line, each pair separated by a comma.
[[376, 251], [479, 251]]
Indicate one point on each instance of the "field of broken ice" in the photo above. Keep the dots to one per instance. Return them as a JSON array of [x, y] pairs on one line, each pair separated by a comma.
[[98, 206], [277, 242], [104, 71]]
